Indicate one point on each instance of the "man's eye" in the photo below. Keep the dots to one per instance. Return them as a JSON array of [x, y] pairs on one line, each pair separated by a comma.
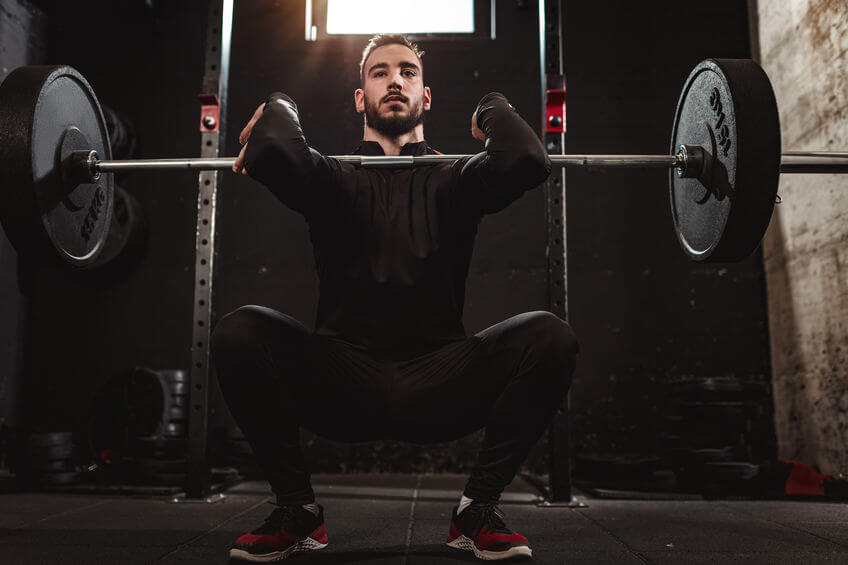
[[410, 73], [379, 74]]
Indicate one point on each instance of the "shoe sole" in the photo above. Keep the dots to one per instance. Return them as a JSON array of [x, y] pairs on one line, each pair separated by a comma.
[[307, 544], [465, 543]]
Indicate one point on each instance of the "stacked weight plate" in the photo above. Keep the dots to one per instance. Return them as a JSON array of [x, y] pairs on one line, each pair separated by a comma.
[[161, 454], [48, 458], [720, 430]]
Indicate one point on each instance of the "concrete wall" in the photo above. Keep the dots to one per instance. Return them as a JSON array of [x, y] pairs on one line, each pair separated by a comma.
[[803, 46]]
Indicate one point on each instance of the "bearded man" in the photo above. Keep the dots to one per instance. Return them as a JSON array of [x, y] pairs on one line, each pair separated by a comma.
[[389, 357]]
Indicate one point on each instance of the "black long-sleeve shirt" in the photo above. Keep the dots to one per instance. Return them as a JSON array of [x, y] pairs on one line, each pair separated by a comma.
[[392, 247]]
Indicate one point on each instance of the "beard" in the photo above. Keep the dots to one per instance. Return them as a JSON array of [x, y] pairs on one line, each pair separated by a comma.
[[394, 124]]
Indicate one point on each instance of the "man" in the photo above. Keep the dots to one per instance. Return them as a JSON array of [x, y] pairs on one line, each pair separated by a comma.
[[389, 357]]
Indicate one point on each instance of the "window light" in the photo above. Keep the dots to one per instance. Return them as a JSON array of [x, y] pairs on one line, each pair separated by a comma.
[[399, 16]]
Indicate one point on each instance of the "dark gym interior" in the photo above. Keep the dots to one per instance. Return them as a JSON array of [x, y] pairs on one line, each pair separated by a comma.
[[707, 418]]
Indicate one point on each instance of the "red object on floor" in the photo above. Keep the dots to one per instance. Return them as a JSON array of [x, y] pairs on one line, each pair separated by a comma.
[[803, 479]]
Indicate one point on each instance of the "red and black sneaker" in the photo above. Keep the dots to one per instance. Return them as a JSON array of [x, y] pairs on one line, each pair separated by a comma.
[[289, 529], [480, 528]]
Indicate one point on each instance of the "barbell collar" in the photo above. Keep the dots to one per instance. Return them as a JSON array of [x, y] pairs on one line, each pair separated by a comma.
[[81, 167], [690, 161]]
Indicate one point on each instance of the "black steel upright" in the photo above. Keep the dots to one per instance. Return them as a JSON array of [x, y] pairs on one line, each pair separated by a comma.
[[213, 99], [553, 132]]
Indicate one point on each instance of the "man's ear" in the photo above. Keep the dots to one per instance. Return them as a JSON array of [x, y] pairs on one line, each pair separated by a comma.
[[427, 97], [359, 100]]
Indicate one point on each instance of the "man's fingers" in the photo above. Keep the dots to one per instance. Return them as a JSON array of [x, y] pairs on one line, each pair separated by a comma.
[[476, 132], [245, 133], [238, 166]]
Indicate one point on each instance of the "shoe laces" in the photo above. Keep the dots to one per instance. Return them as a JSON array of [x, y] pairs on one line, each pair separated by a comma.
[[280, 516], [490, 515]]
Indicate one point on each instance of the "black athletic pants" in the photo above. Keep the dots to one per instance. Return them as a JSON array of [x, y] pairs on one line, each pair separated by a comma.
[[276, 377]]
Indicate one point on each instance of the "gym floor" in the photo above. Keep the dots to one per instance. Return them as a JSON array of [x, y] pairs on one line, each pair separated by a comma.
[[403, 519]]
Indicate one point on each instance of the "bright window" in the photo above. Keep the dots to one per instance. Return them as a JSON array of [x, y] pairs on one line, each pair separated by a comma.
[[399, 16]]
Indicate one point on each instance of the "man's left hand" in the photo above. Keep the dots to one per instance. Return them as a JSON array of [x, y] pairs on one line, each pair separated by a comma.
[[476, 132]]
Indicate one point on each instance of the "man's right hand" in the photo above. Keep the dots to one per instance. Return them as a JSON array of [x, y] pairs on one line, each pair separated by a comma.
[[238, 166]]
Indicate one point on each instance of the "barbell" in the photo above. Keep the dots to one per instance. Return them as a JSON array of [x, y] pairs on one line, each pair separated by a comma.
[[724, 164]]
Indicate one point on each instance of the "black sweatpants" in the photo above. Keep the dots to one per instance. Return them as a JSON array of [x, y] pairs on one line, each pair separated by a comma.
[[276, 376]]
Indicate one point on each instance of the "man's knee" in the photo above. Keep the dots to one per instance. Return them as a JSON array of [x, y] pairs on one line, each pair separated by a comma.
[[232, 331], [552, 340], [550, 331]]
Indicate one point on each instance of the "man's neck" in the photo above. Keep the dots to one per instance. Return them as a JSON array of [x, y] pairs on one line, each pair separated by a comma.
[[393, 145]]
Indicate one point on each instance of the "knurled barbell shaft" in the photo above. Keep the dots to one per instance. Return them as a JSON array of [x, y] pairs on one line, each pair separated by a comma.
[[626, 161], [791, 162]]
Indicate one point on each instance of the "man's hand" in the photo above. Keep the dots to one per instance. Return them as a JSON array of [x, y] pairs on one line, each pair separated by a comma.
[[238, 166], [476, 132]]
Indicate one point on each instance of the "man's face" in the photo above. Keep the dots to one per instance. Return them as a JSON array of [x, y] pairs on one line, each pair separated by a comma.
[[393, 95]]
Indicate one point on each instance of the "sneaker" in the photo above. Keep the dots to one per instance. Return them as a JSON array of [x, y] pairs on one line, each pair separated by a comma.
[[480, 528], [289, 529]]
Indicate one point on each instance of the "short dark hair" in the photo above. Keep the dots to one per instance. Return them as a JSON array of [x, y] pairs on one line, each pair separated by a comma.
[[386, 39]]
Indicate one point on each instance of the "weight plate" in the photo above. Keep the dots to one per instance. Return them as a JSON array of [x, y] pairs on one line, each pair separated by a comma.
[[732, 470], [176, 413], [68, 478], [51, 438], [164, 465], [727, 107], [46, 112], [174, 375], [122, 136], [174, 429], [50, 452], [56, 466], [126, 237]]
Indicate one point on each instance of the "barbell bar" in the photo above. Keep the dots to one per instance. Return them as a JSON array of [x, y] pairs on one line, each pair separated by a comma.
[[724, 162], [791, 162]]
